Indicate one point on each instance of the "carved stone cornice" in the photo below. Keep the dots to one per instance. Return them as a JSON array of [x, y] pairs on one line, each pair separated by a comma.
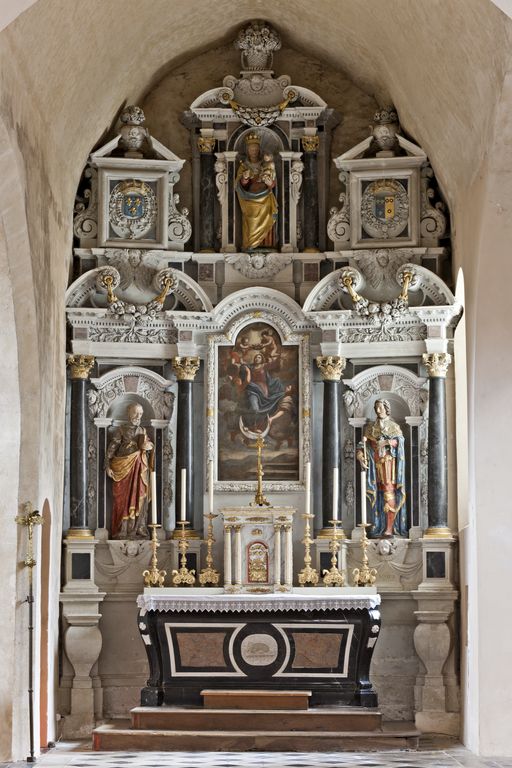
[[310, 143], [186, 367], [331, 367], [80, 365], [437, 364], [206, 144]]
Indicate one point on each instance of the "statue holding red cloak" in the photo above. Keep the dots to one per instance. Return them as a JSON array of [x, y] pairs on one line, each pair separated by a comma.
[[127, 463]]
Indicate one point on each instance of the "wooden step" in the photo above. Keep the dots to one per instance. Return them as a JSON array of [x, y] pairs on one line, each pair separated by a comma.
[[117, 738], [255, 699], [324, 719]]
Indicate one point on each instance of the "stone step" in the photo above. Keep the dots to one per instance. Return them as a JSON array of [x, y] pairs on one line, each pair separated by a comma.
[[325, 719], [117, 738], [245, 699]]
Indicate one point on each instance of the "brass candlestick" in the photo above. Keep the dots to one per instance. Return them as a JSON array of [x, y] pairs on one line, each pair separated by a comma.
[[209, 575], [183, 575], [308, 575], [334, 577], [154, 577], [364, 576], [259, 499]]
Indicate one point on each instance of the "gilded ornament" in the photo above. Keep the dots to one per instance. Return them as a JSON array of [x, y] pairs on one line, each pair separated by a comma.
[[186, 367], [310, 143], [206, 144], [331, 367], [437, 364], [80, 365]]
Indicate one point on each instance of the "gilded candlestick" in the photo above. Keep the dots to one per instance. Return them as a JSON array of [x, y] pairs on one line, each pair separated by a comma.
[[209, 575], [154, 577], [333, 577], [308, 575], [183, 575], [364, 576]]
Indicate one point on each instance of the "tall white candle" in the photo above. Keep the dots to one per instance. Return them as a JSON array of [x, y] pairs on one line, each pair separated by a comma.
[[183, 511], [153, 499], [308, 488], [363, 497], [210, 487], [335, 493]]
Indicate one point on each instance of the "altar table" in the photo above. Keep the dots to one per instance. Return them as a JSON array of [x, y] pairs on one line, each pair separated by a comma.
[[318, 639]]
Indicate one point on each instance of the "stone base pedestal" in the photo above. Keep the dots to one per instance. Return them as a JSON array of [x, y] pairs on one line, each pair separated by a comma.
[[434, 722]]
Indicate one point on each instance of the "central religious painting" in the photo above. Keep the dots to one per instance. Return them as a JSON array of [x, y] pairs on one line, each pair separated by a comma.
[[258, 394]]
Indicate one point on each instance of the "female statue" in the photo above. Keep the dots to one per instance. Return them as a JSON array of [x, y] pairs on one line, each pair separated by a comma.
[[384, 462], [255, 180]]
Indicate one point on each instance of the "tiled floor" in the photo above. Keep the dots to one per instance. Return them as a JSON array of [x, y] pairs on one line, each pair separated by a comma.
[[433, 753]]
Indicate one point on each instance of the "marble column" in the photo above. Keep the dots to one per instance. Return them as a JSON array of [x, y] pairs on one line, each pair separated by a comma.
[[185, 369], [277, 556], [227, 556], [288, 557], [79, 367], [238, 556], [207, 191], [310, 218], [437, 366], [332, 368]]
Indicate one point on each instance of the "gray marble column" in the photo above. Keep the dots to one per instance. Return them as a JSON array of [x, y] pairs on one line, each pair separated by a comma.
[[185, 369], [207, 191], [437, 365], [310, 187], [331, 368], [79, 367]]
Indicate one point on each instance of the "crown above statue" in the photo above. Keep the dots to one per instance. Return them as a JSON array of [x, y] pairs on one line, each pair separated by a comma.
[[385, 116], [253, 138]]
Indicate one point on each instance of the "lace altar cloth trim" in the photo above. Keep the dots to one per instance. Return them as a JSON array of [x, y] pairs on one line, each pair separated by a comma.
[[256, 603]]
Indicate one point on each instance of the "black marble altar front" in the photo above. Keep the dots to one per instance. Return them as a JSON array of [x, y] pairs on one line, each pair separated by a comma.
[[325, 651]]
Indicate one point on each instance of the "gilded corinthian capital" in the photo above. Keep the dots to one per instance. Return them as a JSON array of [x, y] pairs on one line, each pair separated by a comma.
[[437, 364], [331, 367], [310, 143], [206, 144], [186, 367], [80, 365]]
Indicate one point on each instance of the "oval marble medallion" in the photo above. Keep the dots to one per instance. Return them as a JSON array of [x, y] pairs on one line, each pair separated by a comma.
[[259, 650]]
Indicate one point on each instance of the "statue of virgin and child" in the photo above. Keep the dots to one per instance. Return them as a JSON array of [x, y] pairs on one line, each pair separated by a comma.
[[255, 185]]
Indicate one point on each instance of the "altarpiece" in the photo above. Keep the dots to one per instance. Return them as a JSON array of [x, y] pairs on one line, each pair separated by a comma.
[[261, 382]]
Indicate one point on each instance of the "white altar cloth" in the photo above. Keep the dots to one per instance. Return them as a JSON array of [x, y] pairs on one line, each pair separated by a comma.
[[322, 599]]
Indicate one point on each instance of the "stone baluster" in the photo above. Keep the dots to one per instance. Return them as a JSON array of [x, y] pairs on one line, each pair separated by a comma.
[[228, 578], [310, 224], [80, 367], [207, 191], [277, 556], [437, 366], [185, 369], [331, 368]]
